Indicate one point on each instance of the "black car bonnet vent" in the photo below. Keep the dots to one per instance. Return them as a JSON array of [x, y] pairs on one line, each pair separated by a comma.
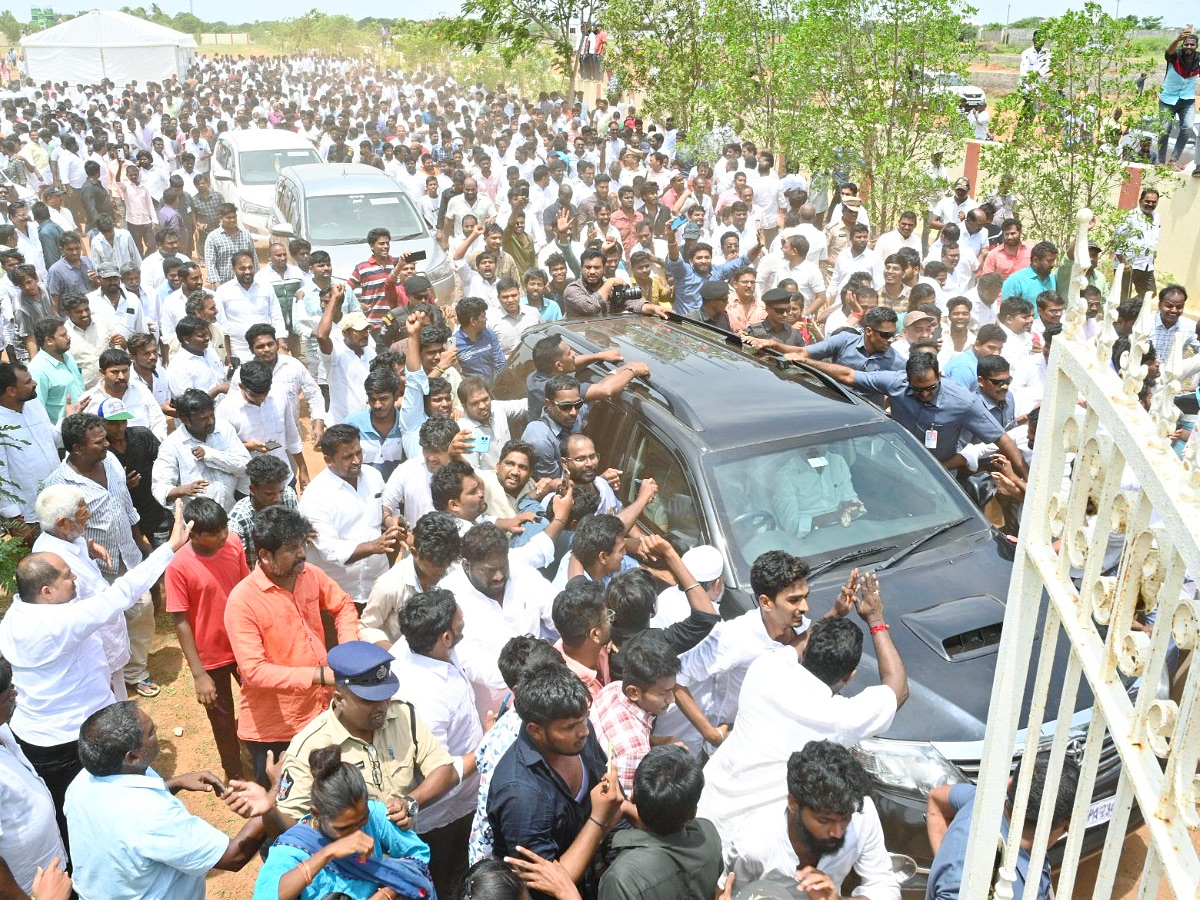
[[959, 629]]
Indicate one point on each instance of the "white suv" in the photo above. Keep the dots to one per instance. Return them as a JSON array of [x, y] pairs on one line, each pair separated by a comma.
[[246, 165]]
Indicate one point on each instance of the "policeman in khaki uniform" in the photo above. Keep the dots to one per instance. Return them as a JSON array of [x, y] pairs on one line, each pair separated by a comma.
[[403, 764]]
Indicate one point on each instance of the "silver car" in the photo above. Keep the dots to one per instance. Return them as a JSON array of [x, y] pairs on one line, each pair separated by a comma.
[[333, 206]]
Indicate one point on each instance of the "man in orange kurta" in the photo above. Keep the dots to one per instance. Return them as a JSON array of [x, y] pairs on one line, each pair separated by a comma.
[[273, 618]]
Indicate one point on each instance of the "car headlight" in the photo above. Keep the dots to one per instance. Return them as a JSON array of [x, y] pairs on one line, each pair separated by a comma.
[[254, 209], [440, 271], [912, 767]]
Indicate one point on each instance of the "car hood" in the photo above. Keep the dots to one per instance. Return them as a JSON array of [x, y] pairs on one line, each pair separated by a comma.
[[944, 606], [346, 256]]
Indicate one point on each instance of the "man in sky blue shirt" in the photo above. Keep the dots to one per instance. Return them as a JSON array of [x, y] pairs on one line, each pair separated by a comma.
[[1027, 283], [964, 368], [936, 411], [948, 821], [133, 839], [695, 267], [479, 350]]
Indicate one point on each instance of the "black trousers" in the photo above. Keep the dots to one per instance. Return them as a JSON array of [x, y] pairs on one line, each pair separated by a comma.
[[448, 854], [223, 721], [58, 767], [258, 755]]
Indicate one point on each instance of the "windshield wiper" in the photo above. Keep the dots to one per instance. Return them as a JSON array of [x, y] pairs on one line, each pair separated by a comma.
[[409, 237], [918, 543], [847, 557]]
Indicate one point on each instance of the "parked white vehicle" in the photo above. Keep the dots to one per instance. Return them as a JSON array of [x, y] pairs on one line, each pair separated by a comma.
[[245, 166]]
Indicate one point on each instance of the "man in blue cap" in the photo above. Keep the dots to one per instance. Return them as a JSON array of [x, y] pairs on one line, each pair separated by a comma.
[[403, 764]]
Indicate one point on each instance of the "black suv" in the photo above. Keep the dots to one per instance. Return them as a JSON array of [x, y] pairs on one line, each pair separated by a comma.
[[746, 451]]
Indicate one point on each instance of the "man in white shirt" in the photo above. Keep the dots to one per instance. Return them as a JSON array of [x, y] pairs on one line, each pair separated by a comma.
[[345, 505], [25, 467], [434, 682], [202, 458], [196, 365], [792, 262], [242, 302], [346, 360], [953, 208], [813, 848], [29, 838], [58, 660], [137, 403], [500, 598], [710, 680], [904, 235], [114, 308], [858, 257], [487, 418], [436, 549], [788, 701], [407, 491], [290, 379], [512, 318], [263, 421]]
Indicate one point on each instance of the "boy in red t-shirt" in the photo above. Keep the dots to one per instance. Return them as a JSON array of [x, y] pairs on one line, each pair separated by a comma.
[[199, 580]]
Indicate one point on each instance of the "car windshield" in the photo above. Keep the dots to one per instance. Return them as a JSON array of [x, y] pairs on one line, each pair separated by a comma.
[[823, 499], [345, 218], [263, 166]]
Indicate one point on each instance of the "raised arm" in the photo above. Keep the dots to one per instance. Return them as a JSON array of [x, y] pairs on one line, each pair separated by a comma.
[[325, 327], [891, 667]]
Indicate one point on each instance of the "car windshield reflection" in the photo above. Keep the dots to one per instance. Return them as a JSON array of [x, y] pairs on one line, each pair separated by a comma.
[[820, 500]]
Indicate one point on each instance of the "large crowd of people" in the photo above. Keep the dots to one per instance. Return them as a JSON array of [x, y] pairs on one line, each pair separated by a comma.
[[448, 660]]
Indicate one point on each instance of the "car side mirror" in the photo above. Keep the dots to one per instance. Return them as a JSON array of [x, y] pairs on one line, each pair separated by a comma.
[[283, 229]]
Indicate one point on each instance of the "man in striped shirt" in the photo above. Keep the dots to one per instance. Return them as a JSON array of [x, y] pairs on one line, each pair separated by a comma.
[[375, 280]]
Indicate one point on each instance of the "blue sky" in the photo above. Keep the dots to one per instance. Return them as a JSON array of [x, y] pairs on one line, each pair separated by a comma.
[[236, 10]]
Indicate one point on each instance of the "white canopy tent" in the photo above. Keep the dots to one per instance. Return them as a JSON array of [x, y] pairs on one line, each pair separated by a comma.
[[113, 45]]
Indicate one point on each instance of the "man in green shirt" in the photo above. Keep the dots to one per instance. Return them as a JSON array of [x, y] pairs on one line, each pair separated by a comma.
[[59, 381]]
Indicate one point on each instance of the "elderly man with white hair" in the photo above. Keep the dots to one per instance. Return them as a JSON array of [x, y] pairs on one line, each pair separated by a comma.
[[58, 660], [63, 515]]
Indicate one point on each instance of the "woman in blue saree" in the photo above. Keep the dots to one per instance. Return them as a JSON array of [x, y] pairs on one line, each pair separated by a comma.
[[346, 846]]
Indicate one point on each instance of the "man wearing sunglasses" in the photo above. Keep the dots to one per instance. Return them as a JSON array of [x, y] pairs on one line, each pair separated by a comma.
[[937, 413], [995, 381], [870, 351], [562, 413]]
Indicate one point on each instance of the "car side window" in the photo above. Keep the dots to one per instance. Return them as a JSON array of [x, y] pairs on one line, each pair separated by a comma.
[[674, 512], [222, 156]]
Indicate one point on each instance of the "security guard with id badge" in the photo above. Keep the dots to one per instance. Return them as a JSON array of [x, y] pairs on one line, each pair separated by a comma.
[[403, 764], [935, 411]]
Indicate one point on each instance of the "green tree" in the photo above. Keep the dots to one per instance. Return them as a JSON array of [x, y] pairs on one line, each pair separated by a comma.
[[857, 87], [1151, 23], [516, 27], [1061, 147], [1028, 22], [10, 27]]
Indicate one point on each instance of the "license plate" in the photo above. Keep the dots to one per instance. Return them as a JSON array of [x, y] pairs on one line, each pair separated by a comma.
[[1101, 811]]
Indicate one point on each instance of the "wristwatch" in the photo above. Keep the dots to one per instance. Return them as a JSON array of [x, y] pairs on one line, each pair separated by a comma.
[[412, 806]]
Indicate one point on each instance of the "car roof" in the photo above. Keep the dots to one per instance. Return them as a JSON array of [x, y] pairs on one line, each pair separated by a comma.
[[729, 397], [266, 139], [322, 179]]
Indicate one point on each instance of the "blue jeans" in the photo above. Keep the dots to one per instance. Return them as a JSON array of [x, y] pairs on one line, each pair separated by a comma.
[[1185, 112]]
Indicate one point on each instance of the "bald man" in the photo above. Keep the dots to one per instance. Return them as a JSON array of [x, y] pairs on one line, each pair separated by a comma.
[[59, 667]]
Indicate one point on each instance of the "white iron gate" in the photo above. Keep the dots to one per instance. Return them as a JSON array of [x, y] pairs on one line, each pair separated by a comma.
[[1091, 421]]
